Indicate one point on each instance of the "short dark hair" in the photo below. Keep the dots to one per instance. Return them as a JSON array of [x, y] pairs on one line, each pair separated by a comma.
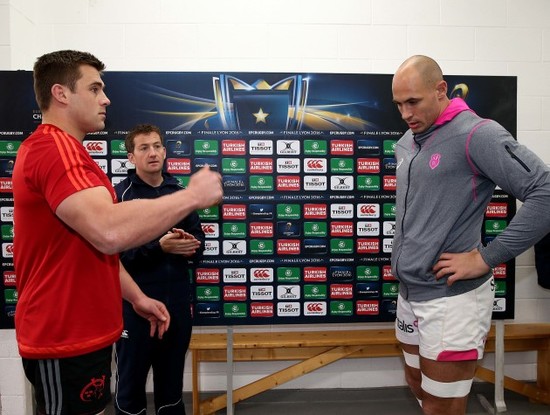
[[60, 67], [141, 129]]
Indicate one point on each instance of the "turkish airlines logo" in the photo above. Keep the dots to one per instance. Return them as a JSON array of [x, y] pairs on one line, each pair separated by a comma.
[[6, 185], [315, 274], [387, 275], [368, 210], [207, 275], [368, 165], [288, 247], [288, 183], [178, 166], [315, 211], [499, 271], [261, 310], [261, 230], [390, 183], [496, 210], [341, 147], [234, 293], [233, 147], [316, 165], [261, 274], [368, 246], [341, 291], [261, 165], [95, 148], [211, 230], [234, 211], [367, 308], [341, 229], [9, 278]]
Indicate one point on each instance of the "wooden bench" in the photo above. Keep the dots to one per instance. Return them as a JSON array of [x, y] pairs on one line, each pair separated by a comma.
[[315, 349]]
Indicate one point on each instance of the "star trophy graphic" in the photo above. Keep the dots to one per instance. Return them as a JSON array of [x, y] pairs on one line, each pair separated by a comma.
[[261, 106]]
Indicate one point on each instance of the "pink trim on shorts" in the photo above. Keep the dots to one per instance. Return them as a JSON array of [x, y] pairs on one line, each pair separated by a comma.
[[457, 356]]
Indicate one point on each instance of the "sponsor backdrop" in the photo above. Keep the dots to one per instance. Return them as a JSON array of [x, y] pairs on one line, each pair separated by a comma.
[[304, 233]]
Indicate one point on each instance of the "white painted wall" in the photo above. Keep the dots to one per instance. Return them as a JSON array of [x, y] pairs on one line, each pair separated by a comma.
[[470, 37]]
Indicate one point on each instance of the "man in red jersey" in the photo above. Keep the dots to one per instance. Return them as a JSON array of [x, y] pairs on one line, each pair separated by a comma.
[[69, 232]]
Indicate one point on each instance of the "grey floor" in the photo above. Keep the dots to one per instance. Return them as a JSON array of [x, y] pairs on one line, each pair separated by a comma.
[[376, 401]]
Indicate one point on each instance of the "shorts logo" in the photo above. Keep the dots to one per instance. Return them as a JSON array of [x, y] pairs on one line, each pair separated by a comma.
[[94, 390], [404, 327], [434, 160]]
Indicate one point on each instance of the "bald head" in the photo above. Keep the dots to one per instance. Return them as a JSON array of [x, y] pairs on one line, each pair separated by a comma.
[[419, 92], [427, 69]]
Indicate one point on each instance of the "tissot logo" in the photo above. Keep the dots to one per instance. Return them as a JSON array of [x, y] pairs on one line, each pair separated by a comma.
[[315, 211], [261, 310], [234, 275], [261, 292], [291, 309], [387, 244], [261, 211], [288, 165], [103, 165], [496, 210], [211, 230], [121, 166], [315, 308], [178, 166], [234, 247], [260, 147], [234, 147], [341, 211], [368, 228], [95, 148], [261, 275], [315, 165], [341, 183], [207, 275], [368, 210], [315, 183], [367, 165], [261, 165], [288, 147], [211, 248]]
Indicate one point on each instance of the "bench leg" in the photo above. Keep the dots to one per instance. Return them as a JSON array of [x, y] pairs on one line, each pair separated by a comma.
[[195, 376], [543, 368]]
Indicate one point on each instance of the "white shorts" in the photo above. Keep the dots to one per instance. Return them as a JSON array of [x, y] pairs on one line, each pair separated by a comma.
[[449, 328]]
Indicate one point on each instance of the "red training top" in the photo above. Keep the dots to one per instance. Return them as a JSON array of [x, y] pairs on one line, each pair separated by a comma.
[[69, 293]]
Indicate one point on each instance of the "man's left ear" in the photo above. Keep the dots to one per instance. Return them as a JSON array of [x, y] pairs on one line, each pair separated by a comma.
[[441, 89]]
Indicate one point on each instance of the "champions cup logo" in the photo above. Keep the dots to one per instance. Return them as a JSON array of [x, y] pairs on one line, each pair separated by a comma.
[[261, 106]]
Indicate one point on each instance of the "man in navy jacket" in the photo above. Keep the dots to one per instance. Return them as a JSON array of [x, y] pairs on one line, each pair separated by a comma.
[[161, 269]]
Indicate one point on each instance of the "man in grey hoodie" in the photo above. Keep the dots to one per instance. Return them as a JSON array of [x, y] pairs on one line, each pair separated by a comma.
[[448, 165]]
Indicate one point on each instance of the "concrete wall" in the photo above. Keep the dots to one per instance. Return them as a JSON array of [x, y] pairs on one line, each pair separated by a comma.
[[474, 37]]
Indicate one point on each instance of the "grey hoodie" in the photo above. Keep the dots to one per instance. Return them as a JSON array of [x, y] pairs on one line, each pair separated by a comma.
[[445, 179]]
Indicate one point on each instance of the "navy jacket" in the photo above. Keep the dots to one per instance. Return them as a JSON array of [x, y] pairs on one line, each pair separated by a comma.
[[160, 275]]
